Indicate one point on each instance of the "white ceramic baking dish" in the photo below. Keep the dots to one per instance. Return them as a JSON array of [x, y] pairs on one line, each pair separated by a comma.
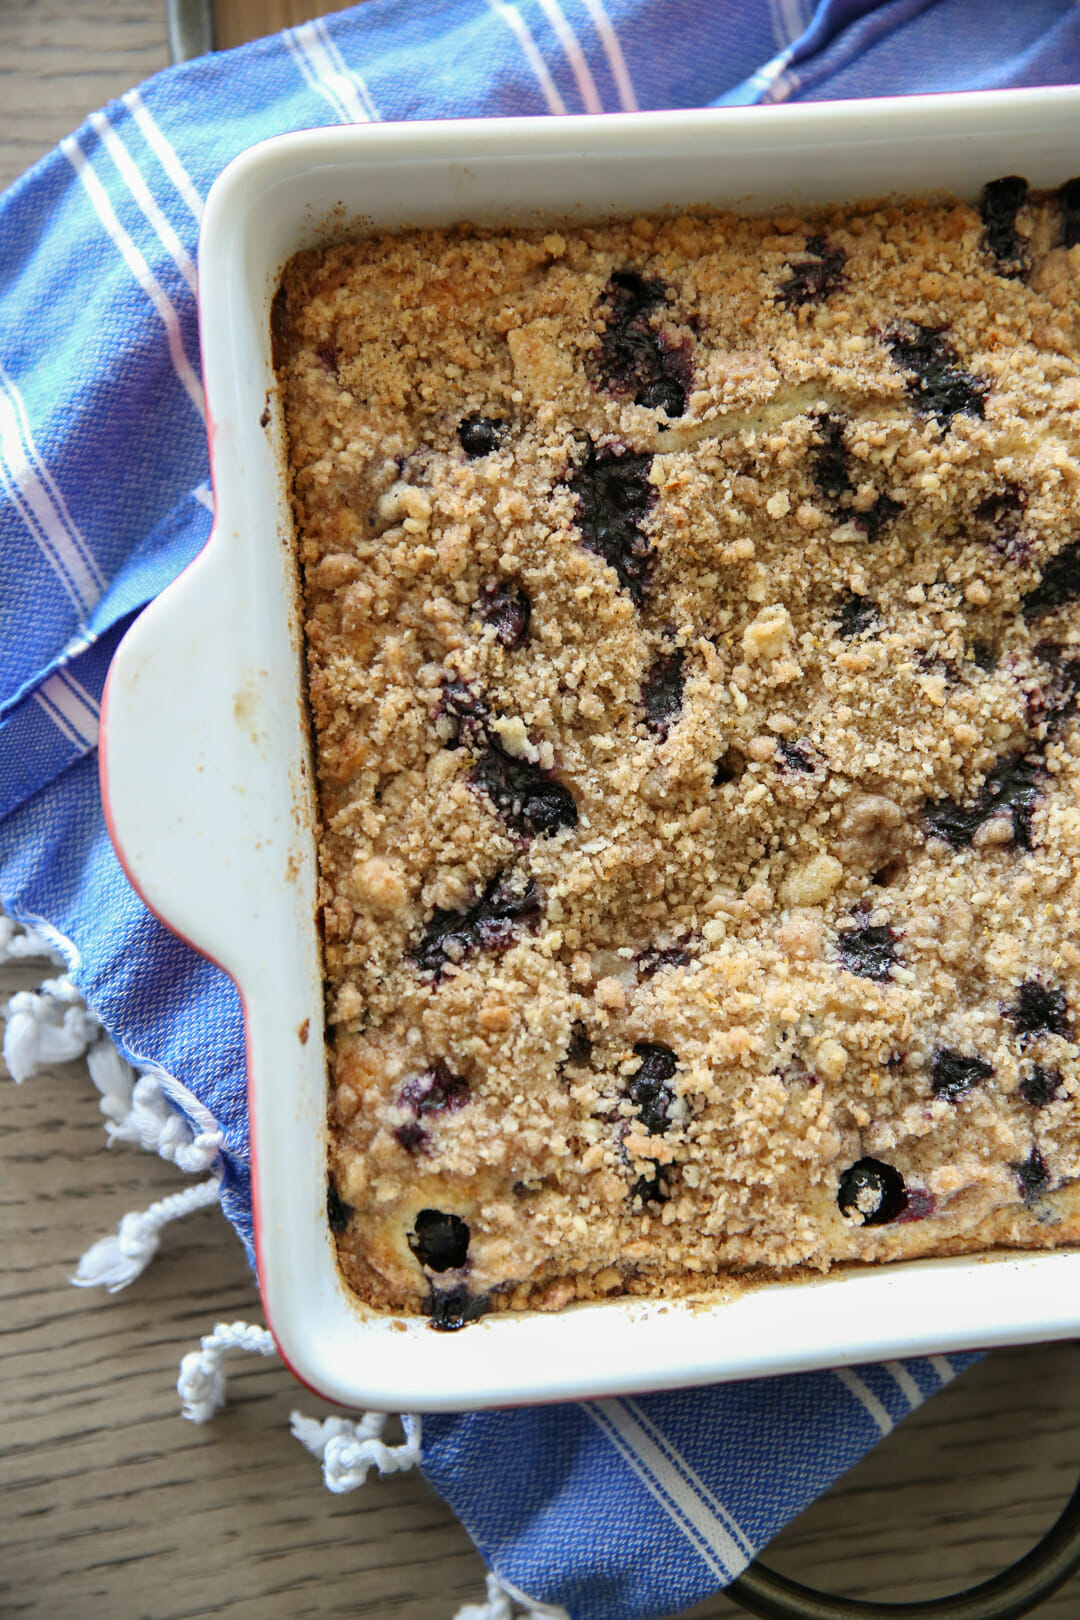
[[205, 758]]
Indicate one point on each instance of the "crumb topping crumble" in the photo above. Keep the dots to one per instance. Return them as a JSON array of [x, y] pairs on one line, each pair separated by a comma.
[[694, 659]]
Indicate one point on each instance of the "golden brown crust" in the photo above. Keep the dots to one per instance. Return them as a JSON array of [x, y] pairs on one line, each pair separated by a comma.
[[809, 728]]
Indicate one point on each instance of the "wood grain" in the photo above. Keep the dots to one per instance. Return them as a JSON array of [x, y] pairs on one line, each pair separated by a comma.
[[238, 20], [59, 59], [116, 1509]]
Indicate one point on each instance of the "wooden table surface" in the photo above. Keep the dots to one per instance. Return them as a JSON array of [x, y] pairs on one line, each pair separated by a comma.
[[117, 1509]]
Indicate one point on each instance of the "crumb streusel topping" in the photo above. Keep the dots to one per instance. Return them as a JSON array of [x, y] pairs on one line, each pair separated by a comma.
[[694, 661]]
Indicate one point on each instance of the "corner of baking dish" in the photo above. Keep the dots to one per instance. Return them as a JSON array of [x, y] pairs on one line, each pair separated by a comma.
[[204, 755]]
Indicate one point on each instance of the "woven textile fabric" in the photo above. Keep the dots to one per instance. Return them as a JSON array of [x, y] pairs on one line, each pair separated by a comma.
[[621, 1508]]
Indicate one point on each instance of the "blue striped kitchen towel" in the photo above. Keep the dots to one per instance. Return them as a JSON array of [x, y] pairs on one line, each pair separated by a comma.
[[626, 1508]]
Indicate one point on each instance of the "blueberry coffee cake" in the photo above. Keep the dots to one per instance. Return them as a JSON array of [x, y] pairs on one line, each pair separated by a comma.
[[694, 663]]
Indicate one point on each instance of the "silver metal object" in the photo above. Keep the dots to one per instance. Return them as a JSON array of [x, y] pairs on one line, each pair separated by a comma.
[[191, 28]]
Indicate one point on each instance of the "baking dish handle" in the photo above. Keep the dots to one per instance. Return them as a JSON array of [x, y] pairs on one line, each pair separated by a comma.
[[1015, 1592], [171, 749]]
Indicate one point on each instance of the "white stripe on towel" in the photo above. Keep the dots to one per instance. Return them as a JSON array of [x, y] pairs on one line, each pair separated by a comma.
[[71, 708], [74, 737], [610, 41], [574, 55], [689, 1475], [80, 694], [319, 69], [41, 504], [139, 269], [312, 79], [944, 1368], [14, 494], [709, 1536], [791, 12], [904, 1382], [865, 1397], [350, 75], [513, 19], [40, 471], [135, 183], [166, 154]]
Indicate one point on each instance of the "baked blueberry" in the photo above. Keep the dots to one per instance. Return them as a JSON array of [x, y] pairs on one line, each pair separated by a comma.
[[1040, 1087], [1001, 201], [1069, 203], [614, 497], [855, 615], [869, 952], [436, 1091], [996, 521], [480, 435], [832, 473], [874, 519], [506, 906], [654, 959], [954, 1074], [648, 1087], [450, 1308], [1060, 583], [626, 304], [633, 360], [650, 1189], [1032, 1175], [462, 713], [412, 1136], [337, 1210], [795, 757], [936, 383], [522, 792], [813, 279], [507, 609], [440, 1242], [872, 1193], [1039, 1010], [1054, 699], [662, 692], [832, 458], [1011, 786], [666, 394], [919, 1205], [579, 1046]]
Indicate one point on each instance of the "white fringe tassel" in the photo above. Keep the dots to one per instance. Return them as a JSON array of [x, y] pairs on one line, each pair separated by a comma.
[[349, 1450], [115, 1261], [501, 1599], [54, 1025], [18, 943], [201, 1385], [138, 1111]]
